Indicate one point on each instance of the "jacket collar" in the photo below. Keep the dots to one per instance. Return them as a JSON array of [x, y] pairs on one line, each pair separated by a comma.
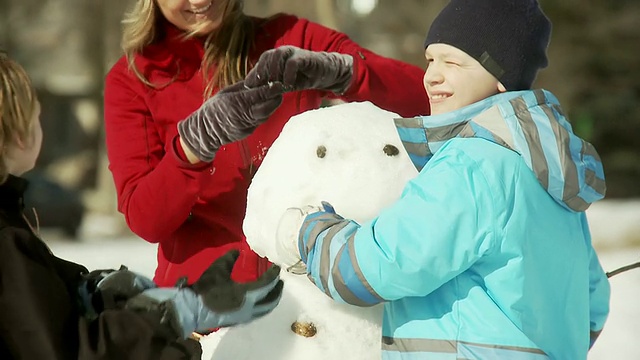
[[172, 57], [12, 193]]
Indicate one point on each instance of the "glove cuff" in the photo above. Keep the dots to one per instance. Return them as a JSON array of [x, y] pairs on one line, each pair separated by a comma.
[[344, 78], [182, 308], [190, 137], [177, 308]]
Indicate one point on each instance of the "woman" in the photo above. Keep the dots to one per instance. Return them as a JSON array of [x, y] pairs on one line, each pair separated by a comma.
[[180, 52]]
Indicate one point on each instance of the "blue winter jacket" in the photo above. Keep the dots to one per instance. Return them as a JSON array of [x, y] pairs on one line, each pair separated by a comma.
[[487, 254]]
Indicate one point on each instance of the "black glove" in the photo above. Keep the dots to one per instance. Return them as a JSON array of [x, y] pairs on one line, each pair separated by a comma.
[[213, 301], [110, 289], [230, 115], [300, 69]]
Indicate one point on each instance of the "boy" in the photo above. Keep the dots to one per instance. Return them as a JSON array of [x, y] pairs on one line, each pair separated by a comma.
[[53, 309], [487, 254]]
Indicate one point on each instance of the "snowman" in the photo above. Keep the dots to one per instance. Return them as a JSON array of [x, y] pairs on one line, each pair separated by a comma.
[[351, 156]]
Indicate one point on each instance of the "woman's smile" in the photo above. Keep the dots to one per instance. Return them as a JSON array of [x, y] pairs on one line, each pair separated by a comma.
[[201, 10]]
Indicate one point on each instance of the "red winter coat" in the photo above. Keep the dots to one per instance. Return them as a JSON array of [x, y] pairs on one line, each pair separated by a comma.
[[195, 212]]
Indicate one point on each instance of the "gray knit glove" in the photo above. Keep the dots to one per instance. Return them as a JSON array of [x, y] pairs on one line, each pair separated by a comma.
[[230, 115], [300, 69]]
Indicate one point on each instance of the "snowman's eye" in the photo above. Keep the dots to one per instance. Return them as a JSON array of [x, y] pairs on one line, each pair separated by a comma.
[[321, 151], [390, 150]]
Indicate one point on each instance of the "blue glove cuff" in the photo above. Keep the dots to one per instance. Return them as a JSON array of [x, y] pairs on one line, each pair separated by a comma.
[[188, 309]]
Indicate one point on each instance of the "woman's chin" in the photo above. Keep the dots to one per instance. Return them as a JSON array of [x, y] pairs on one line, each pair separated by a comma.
[[204, 27]]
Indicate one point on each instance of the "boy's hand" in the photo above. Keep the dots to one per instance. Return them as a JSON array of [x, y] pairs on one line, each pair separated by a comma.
[[215, 300], [288, 235], [300, 69]]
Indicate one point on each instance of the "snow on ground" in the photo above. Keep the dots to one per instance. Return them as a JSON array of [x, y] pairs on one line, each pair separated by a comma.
[[619, 340], [615, 227]]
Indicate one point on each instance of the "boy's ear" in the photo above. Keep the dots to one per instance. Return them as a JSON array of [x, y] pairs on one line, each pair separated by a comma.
[[501, 87], [19, 142]]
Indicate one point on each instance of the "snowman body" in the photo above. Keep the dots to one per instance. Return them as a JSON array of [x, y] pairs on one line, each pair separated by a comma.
[[351, 156]]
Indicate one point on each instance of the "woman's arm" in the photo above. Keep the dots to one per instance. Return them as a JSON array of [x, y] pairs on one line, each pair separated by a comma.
[[156, 190]]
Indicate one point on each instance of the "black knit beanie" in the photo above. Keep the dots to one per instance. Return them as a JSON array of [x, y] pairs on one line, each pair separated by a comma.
[[508, 37]]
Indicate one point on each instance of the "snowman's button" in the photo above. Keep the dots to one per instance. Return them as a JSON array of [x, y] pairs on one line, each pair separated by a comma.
[[390, 150], [321, 151], [305, 329]]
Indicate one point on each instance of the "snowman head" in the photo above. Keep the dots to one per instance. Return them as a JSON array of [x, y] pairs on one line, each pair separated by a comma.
[[349, 155]]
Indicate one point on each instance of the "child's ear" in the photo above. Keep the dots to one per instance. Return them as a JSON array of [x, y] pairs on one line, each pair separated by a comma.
[[19, 142], [501, 88]]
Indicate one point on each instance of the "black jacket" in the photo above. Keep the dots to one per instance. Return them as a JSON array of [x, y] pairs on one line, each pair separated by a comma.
[[39, 303]]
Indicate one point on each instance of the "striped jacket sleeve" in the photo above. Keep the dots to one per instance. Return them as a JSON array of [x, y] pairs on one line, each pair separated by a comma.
[[439, 227]]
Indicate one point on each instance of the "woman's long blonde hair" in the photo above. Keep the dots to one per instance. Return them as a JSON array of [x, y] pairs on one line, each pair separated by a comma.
[[17, 105], [226, 48]]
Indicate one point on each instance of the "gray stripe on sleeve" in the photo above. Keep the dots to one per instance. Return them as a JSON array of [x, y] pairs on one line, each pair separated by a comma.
[[356, 268], [325, 255], [340, 285], [316, 230]]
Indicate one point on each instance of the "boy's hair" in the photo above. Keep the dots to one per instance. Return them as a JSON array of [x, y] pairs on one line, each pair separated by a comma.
[[508, 37], [17, 104]]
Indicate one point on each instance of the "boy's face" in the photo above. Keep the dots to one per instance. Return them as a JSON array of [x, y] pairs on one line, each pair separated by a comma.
[[454, 79]]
